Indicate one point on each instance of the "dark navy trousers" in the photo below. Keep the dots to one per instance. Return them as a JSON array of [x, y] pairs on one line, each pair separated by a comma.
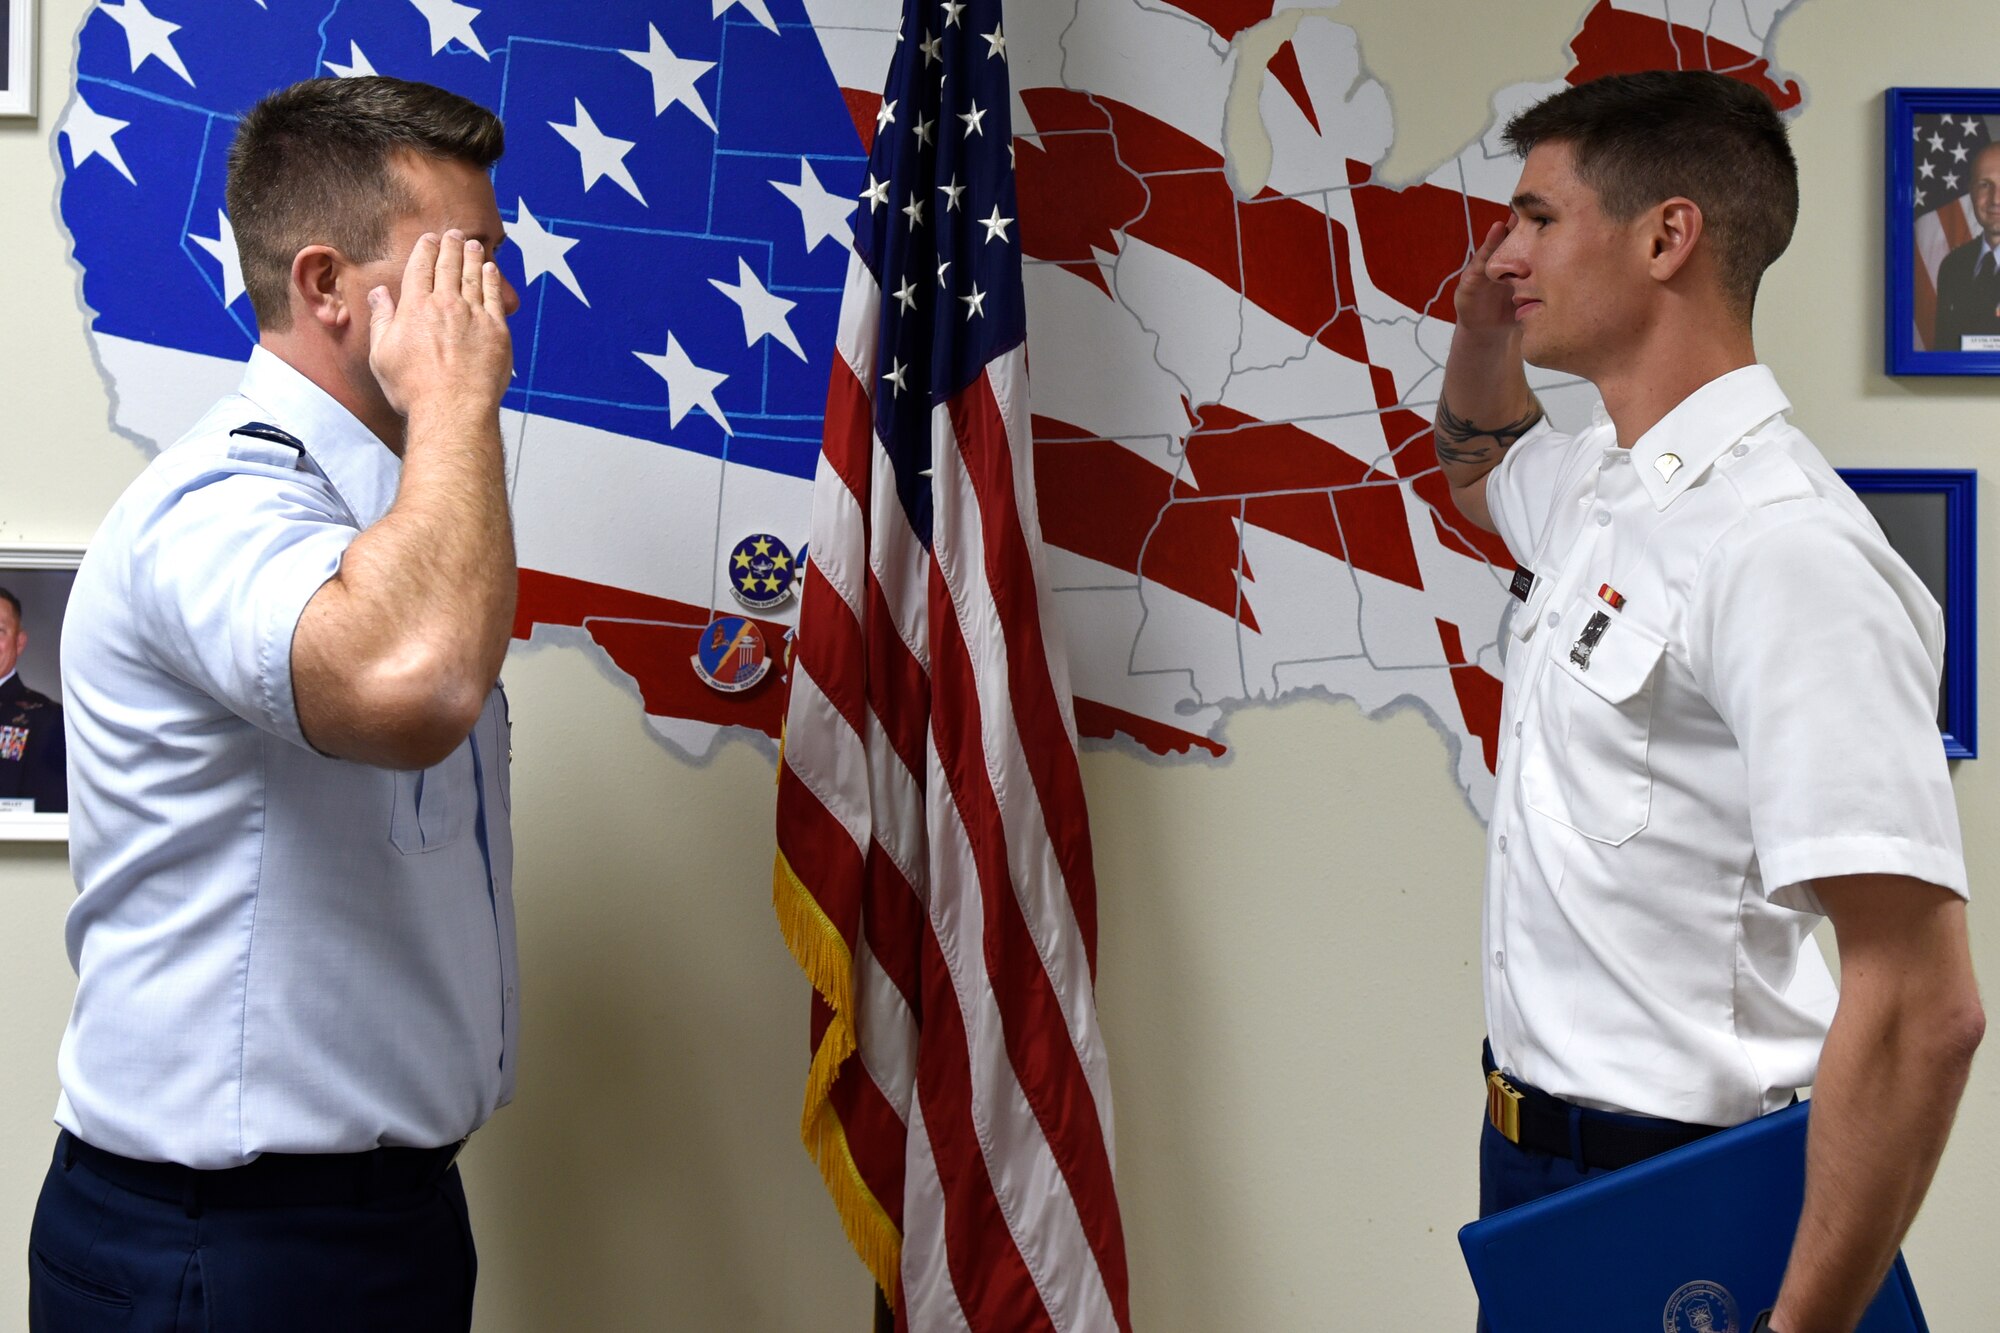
[[103, 1258]]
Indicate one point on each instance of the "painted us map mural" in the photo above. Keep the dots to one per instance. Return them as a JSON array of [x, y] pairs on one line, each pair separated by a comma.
[[1232, 381]]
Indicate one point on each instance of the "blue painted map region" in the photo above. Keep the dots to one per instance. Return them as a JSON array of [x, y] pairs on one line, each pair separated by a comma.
[[679, 191]]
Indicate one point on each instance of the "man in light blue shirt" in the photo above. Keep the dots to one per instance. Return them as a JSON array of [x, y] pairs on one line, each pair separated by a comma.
[[294, 937]]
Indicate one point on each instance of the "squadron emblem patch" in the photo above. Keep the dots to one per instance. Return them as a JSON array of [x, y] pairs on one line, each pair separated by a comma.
[[762, 573], [730, 655]]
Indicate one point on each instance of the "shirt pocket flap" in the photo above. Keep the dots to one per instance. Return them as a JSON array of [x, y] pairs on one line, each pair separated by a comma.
[[1605, 653]]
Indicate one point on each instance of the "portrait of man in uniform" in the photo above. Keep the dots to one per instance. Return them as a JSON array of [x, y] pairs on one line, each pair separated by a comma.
[[31, 728]]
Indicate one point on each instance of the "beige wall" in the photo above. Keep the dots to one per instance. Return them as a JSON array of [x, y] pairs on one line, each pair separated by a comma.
[[1289, 996]]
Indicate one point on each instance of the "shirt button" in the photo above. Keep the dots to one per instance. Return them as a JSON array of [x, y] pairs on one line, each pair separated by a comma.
[[1603, 518], [1500, 959], [1517, 730], [1503, 843], [1740, 450], [1554, 620], [510, 995]]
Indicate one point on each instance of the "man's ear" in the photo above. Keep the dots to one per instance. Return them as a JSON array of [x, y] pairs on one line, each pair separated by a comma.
[[316, 290], [1676, 226]]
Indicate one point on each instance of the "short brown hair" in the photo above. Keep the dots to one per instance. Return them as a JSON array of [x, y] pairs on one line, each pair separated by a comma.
[[313, 164], [1639, 139]]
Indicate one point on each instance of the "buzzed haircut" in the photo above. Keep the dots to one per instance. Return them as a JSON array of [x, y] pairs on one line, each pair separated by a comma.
[[314, 164], [14, 602], [1640, 139]]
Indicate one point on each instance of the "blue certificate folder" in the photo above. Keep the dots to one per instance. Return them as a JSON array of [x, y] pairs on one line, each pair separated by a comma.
[[1690, 1241]]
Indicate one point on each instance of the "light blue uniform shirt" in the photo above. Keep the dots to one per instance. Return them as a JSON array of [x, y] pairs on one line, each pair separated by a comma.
[[276, 951]]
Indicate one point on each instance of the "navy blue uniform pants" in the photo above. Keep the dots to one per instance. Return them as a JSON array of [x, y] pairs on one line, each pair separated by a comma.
[[102, 1257]]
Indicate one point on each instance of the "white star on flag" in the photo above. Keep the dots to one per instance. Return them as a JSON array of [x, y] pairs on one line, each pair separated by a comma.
[[147, 36], [599, 153], [972, 120], [448, 20], [997, 44], [914, 211], [763, 313], [823, 213], [897, 376], [951, 193], [673, 77], [541, 251], [758, 10], [877, 193], [357, 66], [885, 116], [907, 294], [223, 246], [924, 132], [976, 303], [952, 9], [929, 46], [89, 136], [996, 226], [688, 385]]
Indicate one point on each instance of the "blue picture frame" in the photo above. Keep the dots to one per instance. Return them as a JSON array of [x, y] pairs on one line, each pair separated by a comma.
[[1958, 487], [1901, 255]]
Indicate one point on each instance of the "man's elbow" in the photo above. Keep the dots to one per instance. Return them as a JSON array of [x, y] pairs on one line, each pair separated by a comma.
[[418, 709]]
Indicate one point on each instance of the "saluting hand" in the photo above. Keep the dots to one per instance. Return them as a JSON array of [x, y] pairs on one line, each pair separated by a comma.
[[445, 342], [1483, 305]]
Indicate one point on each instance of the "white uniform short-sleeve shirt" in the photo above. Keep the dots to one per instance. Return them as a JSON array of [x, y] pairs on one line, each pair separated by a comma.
[[276, 951], [1721, 686]]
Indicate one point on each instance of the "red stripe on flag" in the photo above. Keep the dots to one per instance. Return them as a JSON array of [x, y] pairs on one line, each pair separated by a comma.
[[994, 1287], [1031, 1017], [875, 1136], [1010, 574], [809, 836], [848, 441], [898, 689], [893, 921]]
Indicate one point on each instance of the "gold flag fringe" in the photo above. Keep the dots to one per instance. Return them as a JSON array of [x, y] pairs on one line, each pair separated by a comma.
[[824, 957]]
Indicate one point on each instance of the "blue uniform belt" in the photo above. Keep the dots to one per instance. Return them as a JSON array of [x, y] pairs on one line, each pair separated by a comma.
[[1595, 1140], [272, 1180]]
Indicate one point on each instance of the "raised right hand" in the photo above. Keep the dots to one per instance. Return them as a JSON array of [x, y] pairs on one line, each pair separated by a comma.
[[1483, 305], [444, 343]]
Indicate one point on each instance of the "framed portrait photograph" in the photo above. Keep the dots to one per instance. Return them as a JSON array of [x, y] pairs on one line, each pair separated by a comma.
[[1930, 517], [17, 57], [1942, 267], [34, 592]]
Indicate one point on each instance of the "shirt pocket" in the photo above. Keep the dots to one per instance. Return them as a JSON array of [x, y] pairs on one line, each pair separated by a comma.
[[1592, 771], [434, 806]]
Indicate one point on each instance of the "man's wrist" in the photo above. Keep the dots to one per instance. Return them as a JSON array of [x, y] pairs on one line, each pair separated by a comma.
[[1763, 1324]]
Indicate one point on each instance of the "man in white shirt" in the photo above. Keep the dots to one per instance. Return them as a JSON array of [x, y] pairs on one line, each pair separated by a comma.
[[294, 932], [1719, 720]]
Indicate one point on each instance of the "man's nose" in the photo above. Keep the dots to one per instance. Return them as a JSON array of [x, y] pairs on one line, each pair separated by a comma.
[[510, 299]]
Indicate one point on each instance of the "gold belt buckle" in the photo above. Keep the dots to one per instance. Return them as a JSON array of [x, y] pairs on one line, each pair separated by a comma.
[[1503, 1107]]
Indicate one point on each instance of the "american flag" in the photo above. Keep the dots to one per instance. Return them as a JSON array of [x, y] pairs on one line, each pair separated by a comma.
[[934, 865], [1945, 148]]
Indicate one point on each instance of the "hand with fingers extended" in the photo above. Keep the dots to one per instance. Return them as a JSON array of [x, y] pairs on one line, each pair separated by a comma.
[[1484, 306], [444, 342]]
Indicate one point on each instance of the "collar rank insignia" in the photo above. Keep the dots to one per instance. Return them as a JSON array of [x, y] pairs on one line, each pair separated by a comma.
[[730, 655], [1666, 465], [762, 573], [1611, 597], [1586, 642], [1524, 583]]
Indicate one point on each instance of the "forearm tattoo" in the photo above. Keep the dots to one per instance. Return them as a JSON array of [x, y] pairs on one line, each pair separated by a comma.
[[1455, 435]]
